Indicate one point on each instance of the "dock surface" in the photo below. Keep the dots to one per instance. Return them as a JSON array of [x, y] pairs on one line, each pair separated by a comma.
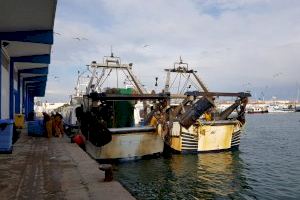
[[42, 168]]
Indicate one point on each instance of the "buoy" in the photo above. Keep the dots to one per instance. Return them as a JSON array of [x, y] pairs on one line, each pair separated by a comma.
[[79, 139]]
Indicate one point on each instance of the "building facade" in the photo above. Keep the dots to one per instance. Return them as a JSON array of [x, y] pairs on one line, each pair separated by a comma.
[[26, 38]]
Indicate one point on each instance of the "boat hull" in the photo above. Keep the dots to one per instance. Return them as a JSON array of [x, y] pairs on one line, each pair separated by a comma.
[[129, 146], [207, 138]]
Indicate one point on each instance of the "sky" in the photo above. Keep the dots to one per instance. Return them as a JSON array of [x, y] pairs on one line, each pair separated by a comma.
[[235, 45]]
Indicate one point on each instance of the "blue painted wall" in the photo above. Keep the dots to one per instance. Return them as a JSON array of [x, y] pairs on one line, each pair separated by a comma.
[[0, 76]]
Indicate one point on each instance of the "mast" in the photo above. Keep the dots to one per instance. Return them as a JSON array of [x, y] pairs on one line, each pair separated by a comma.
[[111, 62], [182, 68]]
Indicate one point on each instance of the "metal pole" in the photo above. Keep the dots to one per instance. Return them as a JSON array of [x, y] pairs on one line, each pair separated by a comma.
[[200, 83], [138, 86], [167, 85]]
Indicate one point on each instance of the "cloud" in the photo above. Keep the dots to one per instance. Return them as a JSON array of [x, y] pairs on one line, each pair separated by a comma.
[[229, 42]]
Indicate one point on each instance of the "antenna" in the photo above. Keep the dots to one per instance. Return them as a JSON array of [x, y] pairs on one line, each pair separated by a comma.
[[111, 52]]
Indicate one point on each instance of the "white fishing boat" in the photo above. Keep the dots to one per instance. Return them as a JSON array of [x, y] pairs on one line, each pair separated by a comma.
[[110, 116], [277, 108], [253, 109]]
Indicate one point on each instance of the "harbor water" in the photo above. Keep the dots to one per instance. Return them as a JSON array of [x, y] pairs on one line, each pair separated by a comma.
[[266, 166]]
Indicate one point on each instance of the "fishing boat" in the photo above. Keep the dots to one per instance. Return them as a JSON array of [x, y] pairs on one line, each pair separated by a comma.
[[106, 116], [76, 100], [192, 124], [277, 108]]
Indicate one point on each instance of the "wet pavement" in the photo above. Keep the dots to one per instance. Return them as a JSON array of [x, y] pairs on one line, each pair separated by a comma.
[[42, 168]]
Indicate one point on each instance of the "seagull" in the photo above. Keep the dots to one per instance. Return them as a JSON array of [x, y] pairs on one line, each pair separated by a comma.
[[277, 74], [146, 45], [80, 38], [56, 33]]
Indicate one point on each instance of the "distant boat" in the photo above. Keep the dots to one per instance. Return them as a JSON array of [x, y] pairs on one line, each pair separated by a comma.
[[257, 109], [275, 108]]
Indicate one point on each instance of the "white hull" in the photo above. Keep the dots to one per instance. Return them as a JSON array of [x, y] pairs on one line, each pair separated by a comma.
[[128, 146]]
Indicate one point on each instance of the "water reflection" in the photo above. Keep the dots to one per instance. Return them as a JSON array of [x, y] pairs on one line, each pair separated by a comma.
[[203, 176], [265, 167], [222, 175]]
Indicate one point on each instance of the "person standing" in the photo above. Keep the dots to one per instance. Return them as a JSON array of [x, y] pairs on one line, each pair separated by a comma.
[[48, 125], [58, 125]]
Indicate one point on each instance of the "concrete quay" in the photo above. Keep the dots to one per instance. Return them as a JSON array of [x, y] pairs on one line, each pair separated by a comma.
[[42, 168]]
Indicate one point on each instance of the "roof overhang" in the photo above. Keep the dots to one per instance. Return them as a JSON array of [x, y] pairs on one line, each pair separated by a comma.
[[26, 33]]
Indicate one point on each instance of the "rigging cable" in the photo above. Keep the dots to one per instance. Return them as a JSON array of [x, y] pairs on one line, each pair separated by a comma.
[[184, 85], [179, 83], [105, 78], [132, 83], [173, 82], [100, 78], [195, 85]]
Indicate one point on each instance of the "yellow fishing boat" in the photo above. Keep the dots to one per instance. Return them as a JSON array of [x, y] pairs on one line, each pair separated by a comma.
[[192, 124]]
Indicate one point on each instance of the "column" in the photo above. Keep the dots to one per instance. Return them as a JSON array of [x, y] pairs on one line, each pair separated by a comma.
[[17, 103], [11, 90], [0, 77]]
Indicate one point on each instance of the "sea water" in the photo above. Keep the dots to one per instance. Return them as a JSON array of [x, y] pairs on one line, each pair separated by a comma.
[[266, 166]]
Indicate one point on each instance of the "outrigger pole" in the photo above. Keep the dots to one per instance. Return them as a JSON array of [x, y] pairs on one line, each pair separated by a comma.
[[111, 62]]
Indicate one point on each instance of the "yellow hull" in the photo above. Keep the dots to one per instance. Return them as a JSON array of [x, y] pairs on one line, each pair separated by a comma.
[[214, 137]]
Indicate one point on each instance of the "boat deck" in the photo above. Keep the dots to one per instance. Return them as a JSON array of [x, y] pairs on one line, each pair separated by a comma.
[[42, 168]]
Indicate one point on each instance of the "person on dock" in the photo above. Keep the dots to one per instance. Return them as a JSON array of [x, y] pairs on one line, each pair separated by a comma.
[[58, 125], [48, 125]]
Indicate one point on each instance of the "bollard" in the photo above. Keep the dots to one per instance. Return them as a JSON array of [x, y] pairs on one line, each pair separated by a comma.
[[107, 168]]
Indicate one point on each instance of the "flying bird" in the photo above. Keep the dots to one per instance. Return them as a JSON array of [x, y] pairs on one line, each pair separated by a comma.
[[56, 33], [80, 38], [277, 74], [146, 45]]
